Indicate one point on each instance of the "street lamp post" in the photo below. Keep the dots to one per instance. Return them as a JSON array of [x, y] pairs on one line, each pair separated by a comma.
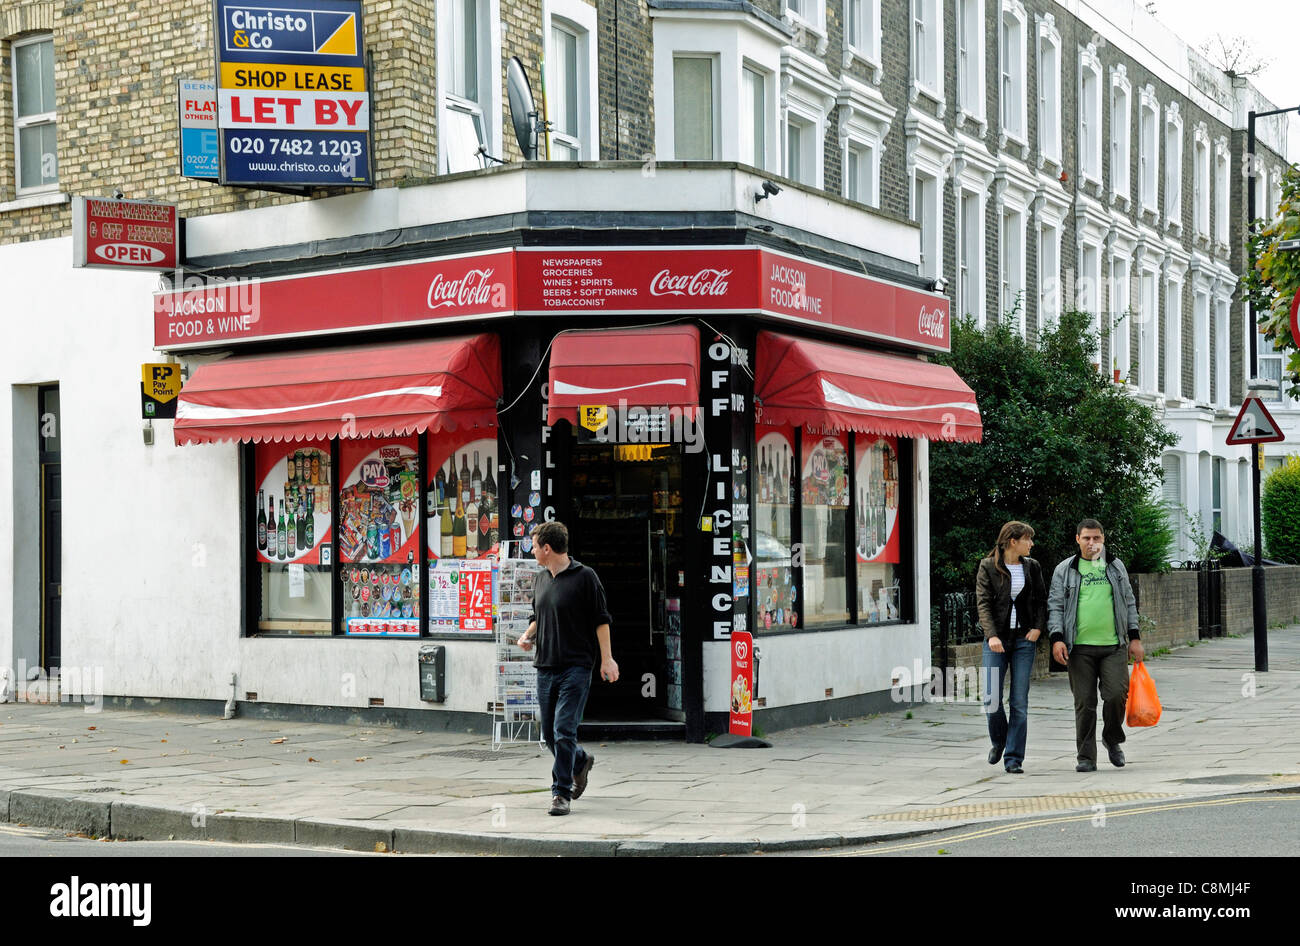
[[1258, 600]]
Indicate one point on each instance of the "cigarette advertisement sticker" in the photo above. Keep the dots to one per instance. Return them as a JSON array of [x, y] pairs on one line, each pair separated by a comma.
[[293, 103]]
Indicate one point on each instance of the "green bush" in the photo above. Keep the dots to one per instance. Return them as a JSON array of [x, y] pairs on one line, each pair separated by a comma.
[[1149, 546], [1280, 512]]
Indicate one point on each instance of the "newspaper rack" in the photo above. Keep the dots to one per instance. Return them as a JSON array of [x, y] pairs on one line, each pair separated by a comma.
[[516, 715]]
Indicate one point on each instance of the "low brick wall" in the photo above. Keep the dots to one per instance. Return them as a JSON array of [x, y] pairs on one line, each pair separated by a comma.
[[1170, 601], [1281, 590]]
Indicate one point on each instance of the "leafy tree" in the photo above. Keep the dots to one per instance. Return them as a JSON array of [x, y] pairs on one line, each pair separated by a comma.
[[1272, 283], [1061, 443], [1279, 512]]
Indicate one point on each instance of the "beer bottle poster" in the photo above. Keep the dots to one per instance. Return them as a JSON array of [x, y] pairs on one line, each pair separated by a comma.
[[876, 514], [461, 500], [378, 500], [292, 519]]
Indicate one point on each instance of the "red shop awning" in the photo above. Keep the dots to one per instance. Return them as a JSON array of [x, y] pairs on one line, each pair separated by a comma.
[[645, 367], [364, 391], [820, 385]]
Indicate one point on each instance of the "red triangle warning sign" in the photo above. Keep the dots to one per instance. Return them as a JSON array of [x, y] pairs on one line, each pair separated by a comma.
[[1254, 424]]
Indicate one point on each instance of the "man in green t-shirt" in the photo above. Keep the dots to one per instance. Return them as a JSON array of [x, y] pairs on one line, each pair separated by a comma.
[[1091, 616]]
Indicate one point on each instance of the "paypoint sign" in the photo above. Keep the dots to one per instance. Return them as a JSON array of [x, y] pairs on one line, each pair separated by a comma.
[[293, 106]]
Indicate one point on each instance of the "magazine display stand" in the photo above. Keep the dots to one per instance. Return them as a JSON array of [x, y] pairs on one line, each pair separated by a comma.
[[516, 716]]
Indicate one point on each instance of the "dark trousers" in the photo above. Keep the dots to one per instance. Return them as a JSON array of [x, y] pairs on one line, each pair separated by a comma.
[[562, 696], [1089, 665]]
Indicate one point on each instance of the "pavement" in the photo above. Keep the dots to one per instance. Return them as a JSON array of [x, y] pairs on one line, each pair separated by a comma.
[[147, 774]]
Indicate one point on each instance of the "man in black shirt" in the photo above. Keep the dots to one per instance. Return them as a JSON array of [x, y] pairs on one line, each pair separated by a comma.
[[570, 621]]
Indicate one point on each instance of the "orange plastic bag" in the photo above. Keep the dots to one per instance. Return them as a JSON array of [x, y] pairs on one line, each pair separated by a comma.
[[1143, 704]]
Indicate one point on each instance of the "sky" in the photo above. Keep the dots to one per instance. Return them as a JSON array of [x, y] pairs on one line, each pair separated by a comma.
[[1270, 26]]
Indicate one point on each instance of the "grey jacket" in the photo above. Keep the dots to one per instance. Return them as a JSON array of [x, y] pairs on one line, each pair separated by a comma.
[[1063, 600]]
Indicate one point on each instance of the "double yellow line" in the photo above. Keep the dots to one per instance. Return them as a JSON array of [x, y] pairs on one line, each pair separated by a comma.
[[1068, 819]]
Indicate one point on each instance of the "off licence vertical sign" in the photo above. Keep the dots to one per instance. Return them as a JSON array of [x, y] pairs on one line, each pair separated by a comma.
[[293, 107]]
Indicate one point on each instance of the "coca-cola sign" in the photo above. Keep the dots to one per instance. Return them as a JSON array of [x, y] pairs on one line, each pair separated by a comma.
[[932, 322], [473, 288], [705, 282]]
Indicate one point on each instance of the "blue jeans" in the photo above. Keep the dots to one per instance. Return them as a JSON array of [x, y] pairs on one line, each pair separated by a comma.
[[562, 696], [1017, 662]]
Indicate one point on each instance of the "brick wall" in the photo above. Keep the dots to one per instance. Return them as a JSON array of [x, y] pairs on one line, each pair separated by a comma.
[[1282, 591], [1171, 602], [626, 84]]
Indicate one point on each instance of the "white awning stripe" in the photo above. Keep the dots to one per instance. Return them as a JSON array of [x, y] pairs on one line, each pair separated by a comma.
[[191, 411], [564, 387], [837, 395]]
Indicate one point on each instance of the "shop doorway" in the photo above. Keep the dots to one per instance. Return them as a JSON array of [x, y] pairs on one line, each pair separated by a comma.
[[51, 530], [627, 524]]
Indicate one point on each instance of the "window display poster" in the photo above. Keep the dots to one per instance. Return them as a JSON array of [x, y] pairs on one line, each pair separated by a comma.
[[876, 515], [378, 500], [774, 472], [741, 717], [293, 501], [825, 470], [461, 596], [461, 503]]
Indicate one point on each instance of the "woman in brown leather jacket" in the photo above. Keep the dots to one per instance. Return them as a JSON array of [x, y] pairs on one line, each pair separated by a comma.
[[1012, 602]]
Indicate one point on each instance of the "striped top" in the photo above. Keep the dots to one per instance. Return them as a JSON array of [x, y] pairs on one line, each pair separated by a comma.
[[1017, 586]]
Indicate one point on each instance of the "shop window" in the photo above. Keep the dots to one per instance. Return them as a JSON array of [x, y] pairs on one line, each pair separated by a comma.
[[876, 525], [365, 581], [777, 494], [824, 518], [292, 533], [463, 527], [378, 513], [35, 127]]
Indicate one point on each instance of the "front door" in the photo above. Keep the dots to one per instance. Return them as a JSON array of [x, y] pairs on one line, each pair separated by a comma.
[[51, 530]]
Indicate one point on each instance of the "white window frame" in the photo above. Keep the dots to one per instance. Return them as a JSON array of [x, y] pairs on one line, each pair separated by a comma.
[[1050, 207], [1201, 343], [1201, 182], [1012, 228], [1013, 30], [928, 159], [1148, 316], [579, 19], [1222, 319], [753, 140], [864, 122], [715, 83], [808, 94], [1121, 134], [808, 169], [1149, 151], [1173, 379], [1222, 172], [1087, 290], [1121, 319], [1049, 92], [927, 190], [925, 39], [733, 40], [864, 42], [809, 13], [485, 111], [1089, 114], [37, 120], [1173, 167], [969, 289], [970, 64]]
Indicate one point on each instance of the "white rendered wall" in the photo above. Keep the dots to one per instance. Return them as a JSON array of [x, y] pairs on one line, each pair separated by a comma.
[[151, 563]]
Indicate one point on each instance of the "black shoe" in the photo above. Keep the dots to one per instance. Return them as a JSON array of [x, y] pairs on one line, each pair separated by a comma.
[[995, 755], [1086, 765], [1116, 755], [1015, 769], [559, 805], [580, 777]]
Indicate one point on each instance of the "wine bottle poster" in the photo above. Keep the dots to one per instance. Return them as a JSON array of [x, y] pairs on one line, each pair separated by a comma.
[[876, 515], [378, 500], [774, 475], [293, 489], [461, 498]]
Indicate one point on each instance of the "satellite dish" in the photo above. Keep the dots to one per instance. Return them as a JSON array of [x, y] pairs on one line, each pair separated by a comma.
[[523, 111]]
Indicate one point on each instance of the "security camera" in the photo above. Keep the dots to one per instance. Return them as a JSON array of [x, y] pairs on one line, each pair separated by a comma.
[[940, 284], [767, 190], [117, 193]]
